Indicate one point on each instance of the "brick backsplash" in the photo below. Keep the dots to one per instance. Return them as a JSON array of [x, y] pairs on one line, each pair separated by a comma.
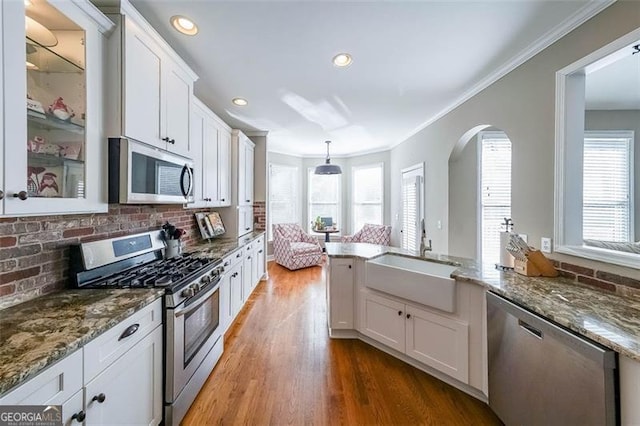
[[260, 216], [624, 286], [34, 251]]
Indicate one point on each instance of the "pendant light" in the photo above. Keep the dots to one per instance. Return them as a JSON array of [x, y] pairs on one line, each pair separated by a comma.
[[327, 168]]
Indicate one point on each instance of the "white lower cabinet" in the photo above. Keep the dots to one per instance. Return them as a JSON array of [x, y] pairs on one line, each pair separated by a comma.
[[439, 342], [73, 410], [126, 390], [247, 272], [435, 340], [260, 259], [383, 320], [129, 391], [243, 270], [60, 384], [236, 299], [629, 391], [340, 295]]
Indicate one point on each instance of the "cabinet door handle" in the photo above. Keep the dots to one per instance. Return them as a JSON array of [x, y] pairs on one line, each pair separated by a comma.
[[349, 266], [238, 255], [79, 416], [226, 263], [235, 274], [408, 316], [1, 195], [100, 398], [165, 139], [259, 251], [172, 141], [248, 201], [22, 195], [399, 313], [129, 331], [246, 229], [222, 200]]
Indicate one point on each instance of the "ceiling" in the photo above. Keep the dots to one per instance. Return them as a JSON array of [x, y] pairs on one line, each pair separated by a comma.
[[411, 61], [616, 85]]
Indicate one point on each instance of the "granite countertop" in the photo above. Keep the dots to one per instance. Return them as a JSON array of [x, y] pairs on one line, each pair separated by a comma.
[[220, 247], [37, 333], [604, 317]]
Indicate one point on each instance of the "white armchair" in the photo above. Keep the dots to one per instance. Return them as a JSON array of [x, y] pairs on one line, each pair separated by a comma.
[[293, 248]]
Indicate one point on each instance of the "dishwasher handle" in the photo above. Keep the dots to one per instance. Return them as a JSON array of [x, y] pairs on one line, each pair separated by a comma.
[[530, 329]]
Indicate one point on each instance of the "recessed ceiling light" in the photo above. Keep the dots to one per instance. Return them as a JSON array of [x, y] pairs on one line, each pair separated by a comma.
[[184, 25], [240, 101], [342, 60]]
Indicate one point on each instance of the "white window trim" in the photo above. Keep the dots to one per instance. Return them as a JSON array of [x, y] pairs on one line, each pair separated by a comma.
[[337, 220], [569, 124], [353, 197]]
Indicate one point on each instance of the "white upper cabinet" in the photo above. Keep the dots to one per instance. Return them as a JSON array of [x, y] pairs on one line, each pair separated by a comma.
[[142, 81], [52, 138], [245, 149], [151, 91], [210, 149]]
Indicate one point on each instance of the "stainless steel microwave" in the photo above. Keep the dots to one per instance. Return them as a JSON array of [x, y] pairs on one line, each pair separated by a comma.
[[143, 174]]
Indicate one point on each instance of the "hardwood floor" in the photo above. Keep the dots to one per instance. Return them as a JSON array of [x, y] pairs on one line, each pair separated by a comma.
[[280, 367]]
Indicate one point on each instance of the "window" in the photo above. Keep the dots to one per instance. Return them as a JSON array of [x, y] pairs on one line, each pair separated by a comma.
[[367, 189], [495, 191], [324, 197], [283, 195], [607, 189], [412, 207]]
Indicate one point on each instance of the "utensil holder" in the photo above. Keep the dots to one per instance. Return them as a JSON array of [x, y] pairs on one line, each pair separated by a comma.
[[535, 265], [172, 248]]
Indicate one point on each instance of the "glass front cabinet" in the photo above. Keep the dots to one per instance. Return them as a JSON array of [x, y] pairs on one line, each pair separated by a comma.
[[53, 157]]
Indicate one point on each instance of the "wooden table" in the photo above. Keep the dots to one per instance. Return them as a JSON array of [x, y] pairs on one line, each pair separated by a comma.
[[326, 232]]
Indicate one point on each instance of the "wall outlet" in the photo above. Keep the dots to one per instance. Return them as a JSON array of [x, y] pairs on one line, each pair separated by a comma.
[[546, 245]]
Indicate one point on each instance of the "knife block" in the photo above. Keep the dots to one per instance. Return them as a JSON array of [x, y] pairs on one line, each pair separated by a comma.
[[535, 265]]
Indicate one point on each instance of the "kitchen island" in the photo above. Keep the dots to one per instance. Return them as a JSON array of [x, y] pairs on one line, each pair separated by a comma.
[[433, 340]]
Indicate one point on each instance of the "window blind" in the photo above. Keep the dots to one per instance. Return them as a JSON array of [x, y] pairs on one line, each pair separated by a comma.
[[283, 195], [607, 174], [367, 189], [410, 212], [495, 192], [324, 197]]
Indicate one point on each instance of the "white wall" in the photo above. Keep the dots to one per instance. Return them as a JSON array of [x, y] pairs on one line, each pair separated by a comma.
[[522, 104]]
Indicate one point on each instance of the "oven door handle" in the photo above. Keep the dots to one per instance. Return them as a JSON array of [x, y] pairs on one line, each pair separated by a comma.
[[193, 307]]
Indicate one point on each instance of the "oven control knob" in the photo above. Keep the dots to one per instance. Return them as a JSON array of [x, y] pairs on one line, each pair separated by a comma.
[[187, 292], [205, 280]]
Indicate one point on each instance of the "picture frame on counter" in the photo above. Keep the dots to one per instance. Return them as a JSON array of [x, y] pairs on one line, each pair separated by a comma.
[[210, 224]]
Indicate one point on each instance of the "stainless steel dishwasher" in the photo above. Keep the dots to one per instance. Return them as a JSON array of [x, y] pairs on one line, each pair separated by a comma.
[[542, 374]]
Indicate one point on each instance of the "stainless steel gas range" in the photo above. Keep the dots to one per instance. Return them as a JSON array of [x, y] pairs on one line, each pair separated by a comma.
[[193, 333]]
